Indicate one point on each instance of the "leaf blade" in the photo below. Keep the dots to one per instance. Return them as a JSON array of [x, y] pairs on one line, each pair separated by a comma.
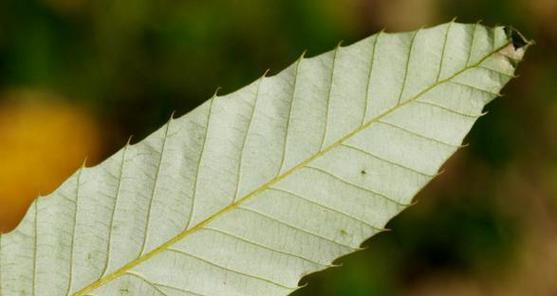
[[305, 130]]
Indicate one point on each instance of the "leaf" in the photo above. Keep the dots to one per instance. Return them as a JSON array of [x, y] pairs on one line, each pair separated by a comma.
[[253, 190]]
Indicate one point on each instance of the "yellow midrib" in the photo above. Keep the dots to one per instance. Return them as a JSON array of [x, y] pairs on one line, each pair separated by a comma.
[[232, 206]]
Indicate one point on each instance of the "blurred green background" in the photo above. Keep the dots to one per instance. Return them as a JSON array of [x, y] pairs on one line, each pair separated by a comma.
[[86, 74]]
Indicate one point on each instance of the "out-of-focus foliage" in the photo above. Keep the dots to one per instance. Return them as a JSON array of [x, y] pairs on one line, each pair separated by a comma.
[[43, 141], [130, 56], [132, 63]]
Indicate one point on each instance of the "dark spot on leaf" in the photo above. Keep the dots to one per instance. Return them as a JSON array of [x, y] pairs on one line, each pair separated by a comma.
[[516, 37]]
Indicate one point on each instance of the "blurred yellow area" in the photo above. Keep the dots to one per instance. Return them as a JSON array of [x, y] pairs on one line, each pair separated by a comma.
[[43, 140]]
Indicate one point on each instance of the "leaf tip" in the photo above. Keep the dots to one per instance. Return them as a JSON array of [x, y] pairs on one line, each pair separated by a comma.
[[518, 40]]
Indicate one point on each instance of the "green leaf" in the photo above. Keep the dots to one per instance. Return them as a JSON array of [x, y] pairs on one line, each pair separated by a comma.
[[255, 189]]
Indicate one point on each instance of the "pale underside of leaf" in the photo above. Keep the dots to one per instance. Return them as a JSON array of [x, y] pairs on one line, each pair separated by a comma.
[[253, 190]]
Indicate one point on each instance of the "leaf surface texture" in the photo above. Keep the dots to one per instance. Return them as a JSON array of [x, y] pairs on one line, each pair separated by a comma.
[[253, 190]]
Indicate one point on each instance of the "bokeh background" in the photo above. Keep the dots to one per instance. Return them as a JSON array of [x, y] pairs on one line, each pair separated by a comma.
[[78, 77]]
